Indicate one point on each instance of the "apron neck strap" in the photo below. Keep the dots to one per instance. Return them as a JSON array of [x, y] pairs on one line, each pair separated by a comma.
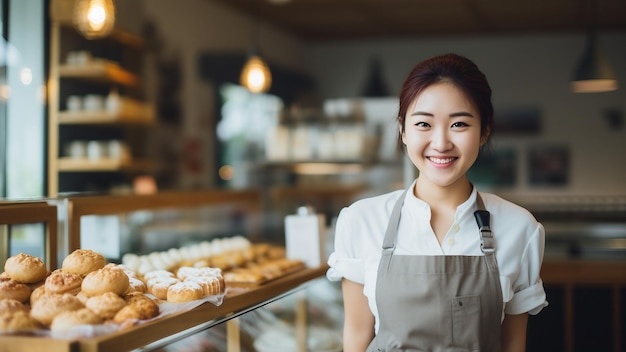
[[483, 219], [389, 243]]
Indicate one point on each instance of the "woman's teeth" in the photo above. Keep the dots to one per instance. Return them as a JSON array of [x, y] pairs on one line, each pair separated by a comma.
[[441, 161]]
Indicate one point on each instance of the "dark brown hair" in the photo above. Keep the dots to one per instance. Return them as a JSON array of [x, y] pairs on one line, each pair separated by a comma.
[[453, 68]]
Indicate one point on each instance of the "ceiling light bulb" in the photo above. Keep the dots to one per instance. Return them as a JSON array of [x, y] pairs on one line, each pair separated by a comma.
[[94, 18], [256, 76]]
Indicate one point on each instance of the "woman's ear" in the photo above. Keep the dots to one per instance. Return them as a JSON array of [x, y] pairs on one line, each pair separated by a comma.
[[485, 137], [401, 134]]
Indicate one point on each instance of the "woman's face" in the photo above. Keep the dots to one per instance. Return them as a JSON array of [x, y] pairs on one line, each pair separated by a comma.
[[442, 134]]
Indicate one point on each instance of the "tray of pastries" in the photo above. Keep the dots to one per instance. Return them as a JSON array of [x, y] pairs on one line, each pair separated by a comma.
[[90, 302]]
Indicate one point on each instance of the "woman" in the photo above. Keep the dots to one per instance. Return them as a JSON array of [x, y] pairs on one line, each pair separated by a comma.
[[420, 268]]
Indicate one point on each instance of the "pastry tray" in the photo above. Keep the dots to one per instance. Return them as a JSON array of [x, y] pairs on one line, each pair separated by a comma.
[[236, 302]]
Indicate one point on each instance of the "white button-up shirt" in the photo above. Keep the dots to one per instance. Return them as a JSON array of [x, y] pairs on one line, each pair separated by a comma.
[[519, 247]]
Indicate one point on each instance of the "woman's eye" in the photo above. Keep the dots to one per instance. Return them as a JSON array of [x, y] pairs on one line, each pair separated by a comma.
[[460, 124], [422, 124]]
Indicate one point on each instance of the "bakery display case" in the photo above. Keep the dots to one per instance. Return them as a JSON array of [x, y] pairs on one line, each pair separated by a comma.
[[245, 313]]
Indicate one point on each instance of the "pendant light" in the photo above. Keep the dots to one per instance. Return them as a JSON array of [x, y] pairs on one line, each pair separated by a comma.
[[593, 73], [255, 75], [94, 18]]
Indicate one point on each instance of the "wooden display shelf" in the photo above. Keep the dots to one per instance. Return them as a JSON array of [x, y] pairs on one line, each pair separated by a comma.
[[67, 164], [101, 71], [236, 303], [103, 117]]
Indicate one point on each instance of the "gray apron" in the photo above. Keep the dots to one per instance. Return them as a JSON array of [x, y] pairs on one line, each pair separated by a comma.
[[438, 303]]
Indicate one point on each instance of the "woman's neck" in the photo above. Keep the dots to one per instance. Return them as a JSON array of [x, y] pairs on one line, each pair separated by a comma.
[[448, 197]]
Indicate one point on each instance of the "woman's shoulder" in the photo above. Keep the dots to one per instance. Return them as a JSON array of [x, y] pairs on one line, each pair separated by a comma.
[[506, 210], [376, 202]]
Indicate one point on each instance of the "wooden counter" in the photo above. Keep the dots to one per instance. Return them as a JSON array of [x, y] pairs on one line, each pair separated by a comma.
[[235, 304], [576, 287]]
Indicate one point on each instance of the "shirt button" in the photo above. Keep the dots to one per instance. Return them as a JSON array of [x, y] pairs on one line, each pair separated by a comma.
[[450, 241], [456, 228]]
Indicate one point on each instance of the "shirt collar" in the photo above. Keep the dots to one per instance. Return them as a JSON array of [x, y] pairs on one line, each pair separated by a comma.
[[469, 205]]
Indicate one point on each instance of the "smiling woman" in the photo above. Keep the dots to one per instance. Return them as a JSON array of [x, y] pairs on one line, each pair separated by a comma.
[[419, 267]]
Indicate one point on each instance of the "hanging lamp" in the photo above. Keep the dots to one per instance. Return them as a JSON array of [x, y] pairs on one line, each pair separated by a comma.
[[255, 75], [593, 73], [94, 18]]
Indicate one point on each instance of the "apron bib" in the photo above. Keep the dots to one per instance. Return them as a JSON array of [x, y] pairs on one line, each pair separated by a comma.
[[438, 303]]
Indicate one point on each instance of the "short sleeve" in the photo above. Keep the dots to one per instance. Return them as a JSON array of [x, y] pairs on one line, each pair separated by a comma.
[[526, 292], [345, 261]]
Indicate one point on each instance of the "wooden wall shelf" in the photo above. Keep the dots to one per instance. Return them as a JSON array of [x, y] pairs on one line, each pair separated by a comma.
[[104, 117], [100, 71], [88, 165]]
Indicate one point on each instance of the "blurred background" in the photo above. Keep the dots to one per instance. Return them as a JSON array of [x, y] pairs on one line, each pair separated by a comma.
[[159, 103]]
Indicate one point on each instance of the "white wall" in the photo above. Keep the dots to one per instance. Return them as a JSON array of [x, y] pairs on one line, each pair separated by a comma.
[[529, 70]]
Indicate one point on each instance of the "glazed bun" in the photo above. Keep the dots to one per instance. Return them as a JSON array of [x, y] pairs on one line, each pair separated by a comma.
[[136, 285], [83, 261], [50, 305], [102, 281], [69, 319], [185, 291], [11, 289], [63, 282], [25, 268], [106, 305]]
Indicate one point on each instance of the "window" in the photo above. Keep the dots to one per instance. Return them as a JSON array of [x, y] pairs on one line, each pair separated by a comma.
[[22, 99]]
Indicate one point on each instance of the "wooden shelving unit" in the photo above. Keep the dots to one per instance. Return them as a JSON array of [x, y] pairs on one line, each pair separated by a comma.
[[109, 64]]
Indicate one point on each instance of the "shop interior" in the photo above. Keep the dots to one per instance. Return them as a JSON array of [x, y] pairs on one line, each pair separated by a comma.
[[144, 136]]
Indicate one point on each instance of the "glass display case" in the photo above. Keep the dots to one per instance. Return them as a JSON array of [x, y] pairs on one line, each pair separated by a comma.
[[297, 308]]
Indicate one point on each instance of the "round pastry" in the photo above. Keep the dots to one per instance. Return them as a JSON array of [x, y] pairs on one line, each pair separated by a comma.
[[82, 297], [158, 286], [138, 307], [211, 286], [12, 306], [37, 284], [136, 285], [185, 291], [83, 261], [185, 272], [157, 274], [68, 319], [63, 282], [17, 321], [105, 280], [25, 268], [243, 276], [36, 294], [50, 305], [106, 305], [12, 289]]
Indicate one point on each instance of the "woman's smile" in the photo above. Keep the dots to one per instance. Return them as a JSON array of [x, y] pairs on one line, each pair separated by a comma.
[[441, 162]]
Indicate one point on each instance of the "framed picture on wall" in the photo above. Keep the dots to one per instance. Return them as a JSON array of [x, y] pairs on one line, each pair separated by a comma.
[[548, 165]]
